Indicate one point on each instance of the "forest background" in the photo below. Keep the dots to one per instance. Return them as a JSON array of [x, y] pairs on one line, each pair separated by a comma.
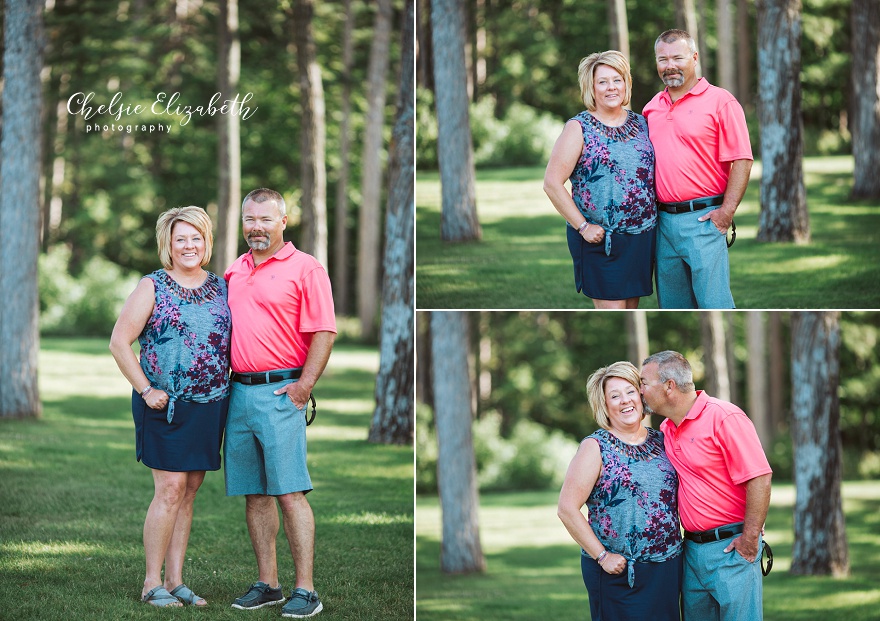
[[522, 58], [101, 191]]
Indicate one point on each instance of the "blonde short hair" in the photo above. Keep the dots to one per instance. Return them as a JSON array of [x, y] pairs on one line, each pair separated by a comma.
[[596, 388], [195, 216], [587, 68]]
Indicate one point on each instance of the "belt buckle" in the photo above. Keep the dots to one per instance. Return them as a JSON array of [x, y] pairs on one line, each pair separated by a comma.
[[266, 376]]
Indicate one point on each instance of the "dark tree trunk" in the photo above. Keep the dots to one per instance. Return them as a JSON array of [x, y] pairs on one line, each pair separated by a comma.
[[455, 152], [756, 373], [340, 265], [820, 546], [619, 27], [866, 97], [313, 237], [394, 415], [783, 196], [717, 378], [228, 140], [20, 207], [370, 217], [460, 550]]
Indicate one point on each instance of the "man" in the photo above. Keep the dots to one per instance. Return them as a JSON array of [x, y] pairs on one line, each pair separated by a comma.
[[283, 331], [723, 493], [703, 160]]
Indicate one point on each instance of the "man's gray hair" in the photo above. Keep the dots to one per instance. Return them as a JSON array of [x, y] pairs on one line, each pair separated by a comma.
[[671, 365], [671, 36], [261, 195]]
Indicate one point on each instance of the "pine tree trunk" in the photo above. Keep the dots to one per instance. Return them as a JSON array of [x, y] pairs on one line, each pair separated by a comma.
[[686, 19], [618, 26], [866, 97], [228, 141], [820, 546], [717, 378], [394, 416], [744, 57], [455, 152], [756, 369], [313, 236], [460, 550], [724, 54], [778, 411], [784, 214], [339, 267], [370, 217], [20, 207]]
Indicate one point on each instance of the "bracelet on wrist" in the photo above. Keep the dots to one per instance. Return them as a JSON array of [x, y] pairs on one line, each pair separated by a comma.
[[582, 227], [146, 391], [602, 556]]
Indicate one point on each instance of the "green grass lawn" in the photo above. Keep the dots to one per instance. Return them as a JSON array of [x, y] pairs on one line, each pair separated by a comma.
[[523, 261], [533, 565], [73, 501]]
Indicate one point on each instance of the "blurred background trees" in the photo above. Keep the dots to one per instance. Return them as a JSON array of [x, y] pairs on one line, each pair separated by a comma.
[[306, 64], [528, 372]]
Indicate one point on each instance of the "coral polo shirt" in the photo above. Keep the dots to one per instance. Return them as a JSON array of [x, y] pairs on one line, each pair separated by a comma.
[[276, 308], [715, 451], [695, 139]]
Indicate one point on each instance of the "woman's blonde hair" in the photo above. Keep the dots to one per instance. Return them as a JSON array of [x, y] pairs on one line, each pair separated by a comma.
[[596, 388], [587, 68], [195, 216]]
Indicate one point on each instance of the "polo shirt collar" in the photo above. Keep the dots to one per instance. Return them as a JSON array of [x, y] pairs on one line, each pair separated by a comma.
[[699, 405], [699, 88], [284, 252]]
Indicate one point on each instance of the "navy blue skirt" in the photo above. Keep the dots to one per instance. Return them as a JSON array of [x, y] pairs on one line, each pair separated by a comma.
[[191, 442], [626, 273], [655, 594]]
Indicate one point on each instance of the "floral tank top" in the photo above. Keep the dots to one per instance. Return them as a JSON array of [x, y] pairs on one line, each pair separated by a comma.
[[613, 181], [185, 344], [633, 508]]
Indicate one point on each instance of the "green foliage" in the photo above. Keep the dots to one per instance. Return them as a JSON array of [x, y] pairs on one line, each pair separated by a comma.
[[426, 136], [74, 500], [84, 305]]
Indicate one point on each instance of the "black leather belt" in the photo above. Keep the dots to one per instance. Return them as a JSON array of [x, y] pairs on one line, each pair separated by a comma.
[[692, 205], [716, 534], [266, 377]]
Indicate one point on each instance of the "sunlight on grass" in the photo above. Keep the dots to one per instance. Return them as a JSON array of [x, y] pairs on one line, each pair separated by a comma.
[[39, 548], [371, 518]]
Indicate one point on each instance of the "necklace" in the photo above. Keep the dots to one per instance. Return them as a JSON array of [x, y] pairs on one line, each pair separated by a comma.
[[636, 438]]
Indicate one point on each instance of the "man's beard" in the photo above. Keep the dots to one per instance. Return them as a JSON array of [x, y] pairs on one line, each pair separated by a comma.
[[647, 411], [674, 82], [259, 245]]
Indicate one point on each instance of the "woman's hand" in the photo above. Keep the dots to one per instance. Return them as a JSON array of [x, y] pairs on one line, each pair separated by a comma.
[[613, 563], [156, 399], [593, 233]]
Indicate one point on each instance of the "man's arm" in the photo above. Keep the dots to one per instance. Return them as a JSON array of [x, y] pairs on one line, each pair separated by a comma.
[[316, 362], [737, 183], [757, 503]]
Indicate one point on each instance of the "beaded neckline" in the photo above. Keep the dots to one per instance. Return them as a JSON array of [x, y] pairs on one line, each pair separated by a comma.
[[629, 129], [208, 290], [649, 449]]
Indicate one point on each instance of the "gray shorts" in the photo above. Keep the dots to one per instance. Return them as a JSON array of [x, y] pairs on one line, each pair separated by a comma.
[[264, 451]]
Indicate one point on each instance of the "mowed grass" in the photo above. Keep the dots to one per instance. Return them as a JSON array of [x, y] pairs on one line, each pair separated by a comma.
[[73, 501], [523, 260], [533, 565]]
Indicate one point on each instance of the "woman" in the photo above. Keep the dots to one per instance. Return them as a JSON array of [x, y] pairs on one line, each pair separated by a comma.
[[611, 215], [631, 547], [181, 320]]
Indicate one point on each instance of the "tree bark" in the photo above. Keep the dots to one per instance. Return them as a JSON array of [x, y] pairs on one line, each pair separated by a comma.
[[784, 214], [725, 58], [866, 97], [20, 207], [460, 550], [394, 415], [313, 238], [637, 343], [744, 56], [756, 369], [370, 217], [455, 152], [228, 140], [686, 19], [716, 378], [820, 546], [618, 26], [340, 270], [778, 411]]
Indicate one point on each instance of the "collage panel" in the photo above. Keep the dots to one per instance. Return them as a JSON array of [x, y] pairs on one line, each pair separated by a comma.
[[599, 464]]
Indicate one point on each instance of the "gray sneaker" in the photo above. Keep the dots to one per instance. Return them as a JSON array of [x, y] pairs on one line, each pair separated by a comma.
[[302, 604], [260, 594]]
